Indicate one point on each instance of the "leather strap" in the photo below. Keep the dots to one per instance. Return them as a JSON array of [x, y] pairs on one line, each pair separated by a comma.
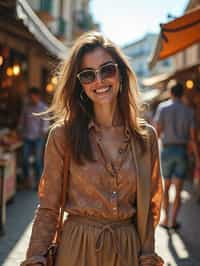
[[63, 197]]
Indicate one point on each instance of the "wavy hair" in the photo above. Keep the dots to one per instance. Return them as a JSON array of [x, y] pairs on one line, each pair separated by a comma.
[[67, 106]]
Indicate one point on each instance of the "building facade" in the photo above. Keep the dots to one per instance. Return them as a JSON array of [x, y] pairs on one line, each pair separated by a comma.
[[28, 52], [139, 52], [191, 55], [66, 19]]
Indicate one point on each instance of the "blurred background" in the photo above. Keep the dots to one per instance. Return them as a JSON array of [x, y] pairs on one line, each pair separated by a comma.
[[162, 42]]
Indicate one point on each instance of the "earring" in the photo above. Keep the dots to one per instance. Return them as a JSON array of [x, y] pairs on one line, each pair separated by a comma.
[[83, 96]]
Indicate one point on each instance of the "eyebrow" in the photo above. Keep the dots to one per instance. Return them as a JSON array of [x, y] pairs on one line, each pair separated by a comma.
[[89, 68]]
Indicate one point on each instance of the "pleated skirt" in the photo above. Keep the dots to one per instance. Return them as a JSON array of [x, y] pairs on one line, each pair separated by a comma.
[[93, 242]]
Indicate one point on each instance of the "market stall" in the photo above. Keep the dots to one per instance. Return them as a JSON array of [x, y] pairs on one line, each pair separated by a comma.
[[180, 39], [9, 145]]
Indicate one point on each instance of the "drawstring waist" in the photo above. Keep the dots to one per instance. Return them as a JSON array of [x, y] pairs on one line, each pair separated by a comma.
[[104, 226]]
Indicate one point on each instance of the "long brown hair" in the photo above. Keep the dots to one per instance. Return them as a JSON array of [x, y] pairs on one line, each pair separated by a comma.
[[68, 107]]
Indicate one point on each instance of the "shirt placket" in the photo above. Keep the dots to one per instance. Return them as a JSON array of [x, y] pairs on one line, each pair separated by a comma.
[[114, 171]]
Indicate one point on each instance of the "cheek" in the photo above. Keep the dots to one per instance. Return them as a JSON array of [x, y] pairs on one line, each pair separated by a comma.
[[87, 89]]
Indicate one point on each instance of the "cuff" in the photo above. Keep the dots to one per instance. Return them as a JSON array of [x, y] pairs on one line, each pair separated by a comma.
[[34, 260], [151, 259]]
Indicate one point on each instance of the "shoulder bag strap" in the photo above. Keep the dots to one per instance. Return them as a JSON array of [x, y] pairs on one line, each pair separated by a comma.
[[63, 196]]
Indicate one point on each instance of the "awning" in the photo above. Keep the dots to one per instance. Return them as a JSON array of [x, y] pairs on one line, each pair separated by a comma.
[[18, 13], [156, 79], [150, 81], [150, 95], [176, 36], [153, 95], [39, 30]]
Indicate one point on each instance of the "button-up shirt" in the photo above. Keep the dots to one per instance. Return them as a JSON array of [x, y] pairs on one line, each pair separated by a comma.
[[175, 119], [111, 185], [32, 126], [104, 189]]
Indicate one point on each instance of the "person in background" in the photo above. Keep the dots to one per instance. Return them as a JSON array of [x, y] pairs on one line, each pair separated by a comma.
[[32, 130], [175, 125], [112, 200]]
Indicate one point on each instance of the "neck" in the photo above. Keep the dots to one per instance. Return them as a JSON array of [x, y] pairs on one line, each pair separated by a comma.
[[175, 98], [104, 116]]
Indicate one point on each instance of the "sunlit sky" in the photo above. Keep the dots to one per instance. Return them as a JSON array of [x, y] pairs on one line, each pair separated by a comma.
[[126, 21]]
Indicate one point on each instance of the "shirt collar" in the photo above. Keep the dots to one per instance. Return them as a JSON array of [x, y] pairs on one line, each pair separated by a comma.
[[177, 100], [97, 128]]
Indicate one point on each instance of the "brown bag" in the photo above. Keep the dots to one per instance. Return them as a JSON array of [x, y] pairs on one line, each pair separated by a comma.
[[52, 250]]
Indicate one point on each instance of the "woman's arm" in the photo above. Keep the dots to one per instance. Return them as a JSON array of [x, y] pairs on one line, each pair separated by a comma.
[[149, 256], [46, 217]]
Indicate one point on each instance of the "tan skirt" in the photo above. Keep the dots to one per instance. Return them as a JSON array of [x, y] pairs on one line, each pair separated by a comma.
[[92, 242]]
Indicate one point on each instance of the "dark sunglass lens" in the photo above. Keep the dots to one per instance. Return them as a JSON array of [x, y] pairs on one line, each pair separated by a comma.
[[108, 71], [87, 77]]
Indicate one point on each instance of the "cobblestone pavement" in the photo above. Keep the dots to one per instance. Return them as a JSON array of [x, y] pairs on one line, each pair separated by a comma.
[[181, 248]]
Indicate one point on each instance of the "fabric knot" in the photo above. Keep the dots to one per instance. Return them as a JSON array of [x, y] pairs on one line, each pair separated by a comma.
[[100, 236], [100, 240]]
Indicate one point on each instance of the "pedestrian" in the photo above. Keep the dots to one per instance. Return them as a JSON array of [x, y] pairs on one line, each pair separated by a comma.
[[113, 201], [176, 128], [32, 130]]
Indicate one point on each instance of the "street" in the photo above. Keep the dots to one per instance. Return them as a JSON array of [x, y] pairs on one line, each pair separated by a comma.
[[176, 248], [83, 76]]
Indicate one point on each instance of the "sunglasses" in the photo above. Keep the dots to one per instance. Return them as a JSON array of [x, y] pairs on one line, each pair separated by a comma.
[[106, 71]]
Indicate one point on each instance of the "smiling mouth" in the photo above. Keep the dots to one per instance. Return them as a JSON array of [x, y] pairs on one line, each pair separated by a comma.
[[103, 90]]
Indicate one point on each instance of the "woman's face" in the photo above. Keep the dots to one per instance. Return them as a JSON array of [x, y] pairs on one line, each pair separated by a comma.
[[103, 87]]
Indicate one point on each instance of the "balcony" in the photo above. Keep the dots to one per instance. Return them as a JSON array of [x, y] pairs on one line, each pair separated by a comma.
[[46, 5], [61, 28], [45, 10], [83, 20]]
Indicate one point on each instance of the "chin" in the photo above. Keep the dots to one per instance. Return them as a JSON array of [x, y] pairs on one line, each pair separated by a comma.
[[109, 100]]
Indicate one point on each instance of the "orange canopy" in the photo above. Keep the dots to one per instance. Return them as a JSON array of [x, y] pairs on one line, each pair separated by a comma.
[[177, 35]]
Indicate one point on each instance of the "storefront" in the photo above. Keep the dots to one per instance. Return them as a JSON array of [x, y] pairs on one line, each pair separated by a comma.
[[175, 37], [180, 38], [28, 52], [189, 77]]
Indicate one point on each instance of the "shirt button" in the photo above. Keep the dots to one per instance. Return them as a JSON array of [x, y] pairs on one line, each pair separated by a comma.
[[120, 150]]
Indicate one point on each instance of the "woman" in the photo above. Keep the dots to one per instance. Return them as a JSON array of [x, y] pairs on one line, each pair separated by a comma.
[[114, 185]]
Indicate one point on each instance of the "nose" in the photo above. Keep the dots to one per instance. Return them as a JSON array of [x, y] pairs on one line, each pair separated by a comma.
[[98, 77]]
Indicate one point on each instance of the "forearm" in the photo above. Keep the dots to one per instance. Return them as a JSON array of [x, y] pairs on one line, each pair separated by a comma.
[[195, 151], [43, 232], [194, 145]]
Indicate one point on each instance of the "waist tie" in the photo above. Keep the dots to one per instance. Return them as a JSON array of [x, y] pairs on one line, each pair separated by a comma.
[[99, 240], [104, 226]]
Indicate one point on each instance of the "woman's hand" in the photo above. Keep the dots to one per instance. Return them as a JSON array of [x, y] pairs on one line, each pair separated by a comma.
[[151, 260]]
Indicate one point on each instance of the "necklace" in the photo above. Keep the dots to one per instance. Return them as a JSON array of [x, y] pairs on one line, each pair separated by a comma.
[[112, 166]]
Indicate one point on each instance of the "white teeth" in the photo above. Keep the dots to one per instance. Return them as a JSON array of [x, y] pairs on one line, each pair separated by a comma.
[[102, 90]]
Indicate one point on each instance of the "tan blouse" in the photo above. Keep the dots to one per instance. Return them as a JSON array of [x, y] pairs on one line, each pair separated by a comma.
[[104, 189]]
